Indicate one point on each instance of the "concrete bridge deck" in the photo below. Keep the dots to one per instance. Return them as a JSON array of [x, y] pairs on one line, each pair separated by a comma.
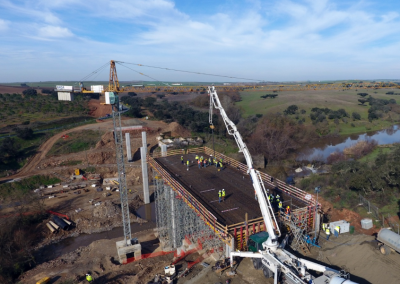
[[205, 183]]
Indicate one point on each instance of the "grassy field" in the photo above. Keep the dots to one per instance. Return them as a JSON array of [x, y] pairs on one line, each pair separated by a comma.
[[374, 154], [252, 103], [77, 142]]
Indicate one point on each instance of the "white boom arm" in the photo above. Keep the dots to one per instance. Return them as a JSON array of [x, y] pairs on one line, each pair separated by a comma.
[[275, 258], [262, 196]]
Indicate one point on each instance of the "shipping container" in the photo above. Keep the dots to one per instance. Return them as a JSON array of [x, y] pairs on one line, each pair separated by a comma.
[[65, 96], [64, 88], [97, 88]]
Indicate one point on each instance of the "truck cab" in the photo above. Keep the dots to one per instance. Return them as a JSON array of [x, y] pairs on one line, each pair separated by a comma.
[[255, 241]]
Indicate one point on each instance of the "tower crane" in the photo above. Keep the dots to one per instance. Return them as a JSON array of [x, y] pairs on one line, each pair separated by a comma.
[[269, 255]]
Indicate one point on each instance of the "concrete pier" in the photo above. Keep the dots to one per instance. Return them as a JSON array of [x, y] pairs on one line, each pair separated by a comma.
[[128, 147]]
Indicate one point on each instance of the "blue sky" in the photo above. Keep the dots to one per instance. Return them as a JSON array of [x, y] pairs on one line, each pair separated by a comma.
[[267, 40]]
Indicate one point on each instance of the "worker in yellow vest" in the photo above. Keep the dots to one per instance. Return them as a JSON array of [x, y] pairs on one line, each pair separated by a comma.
[[223, 195], [182, 160], [89, 277], [197, 157], [337, 231], [328, 233], [219, 196], [280, 206], [187, 164]]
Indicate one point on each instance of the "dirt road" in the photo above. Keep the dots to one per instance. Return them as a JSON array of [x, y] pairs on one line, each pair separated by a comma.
[[30, 167]]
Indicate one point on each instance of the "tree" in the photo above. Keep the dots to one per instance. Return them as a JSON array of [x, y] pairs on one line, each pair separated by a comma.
[[9, 147], [276, 136], [291, 109], [30, 93], [132, 94], [24, 133], [362, 101], [362, 94], [149, 101], [356, 116]]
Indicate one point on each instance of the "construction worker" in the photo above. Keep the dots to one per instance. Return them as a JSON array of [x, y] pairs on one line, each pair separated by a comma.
[[278, 197], [205, 163], [197, 157], [337, 231], [223, 195], [280, 206], [219, 195], [288, 210], [182, 160], [324, 226], [89, 277], [328, 233], [187, 164], [271, 198], [215, 162], [199, 163], [221, 165]]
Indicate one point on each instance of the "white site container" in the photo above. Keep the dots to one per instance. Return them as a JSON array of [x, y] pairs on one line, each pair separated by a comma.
[[49, 186], [110, 98], [93, 185], [108, 188], [65, 96], [366, 223], [97, 88], [65, 186], [64, 88], [344, 226]]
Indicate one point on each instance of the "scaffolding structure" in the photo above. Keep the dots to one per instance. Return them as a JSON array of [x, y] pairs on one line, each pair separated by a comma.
[[176, 221], [123, 189]]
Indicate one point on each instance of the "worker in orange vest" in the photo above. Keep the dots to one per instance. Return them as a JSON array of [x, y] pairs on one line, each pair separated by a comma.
[[287, 210]]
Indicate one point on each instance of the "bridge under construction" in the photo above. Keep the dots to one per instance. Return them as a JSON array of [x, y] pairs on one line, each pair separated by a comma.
[[187, 204]]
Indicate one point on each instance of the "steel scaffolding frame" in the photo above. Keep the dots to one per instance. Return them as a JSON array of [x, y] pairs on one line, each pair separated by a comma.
[[176, 221], [123, 189]]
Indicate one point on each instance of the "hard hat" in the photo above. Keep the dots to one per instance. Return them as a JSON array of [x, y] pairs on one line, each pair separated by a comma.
[[219, 190]]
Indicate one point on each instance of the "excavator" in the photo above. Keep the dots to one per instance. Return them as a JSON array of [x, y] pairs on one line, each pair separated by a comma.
[[264, 248]]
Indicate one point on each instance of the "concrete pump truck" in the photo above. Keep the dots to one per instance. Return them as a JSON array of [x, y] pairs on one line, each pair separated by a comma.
[[265, 250]]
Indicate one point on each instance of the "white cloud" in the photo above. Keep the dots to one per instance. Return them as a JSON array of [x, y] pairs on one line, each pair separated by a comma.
[[54, 32], [4, 25]]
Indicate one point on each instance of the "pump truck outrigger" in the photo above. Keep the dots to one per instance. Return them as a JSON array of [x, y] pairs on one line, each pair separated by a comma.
[[265, 251]]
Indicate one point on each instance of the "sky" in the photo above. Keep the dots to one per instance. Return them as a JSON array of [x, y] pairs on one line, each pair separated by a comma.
[[282, 40]]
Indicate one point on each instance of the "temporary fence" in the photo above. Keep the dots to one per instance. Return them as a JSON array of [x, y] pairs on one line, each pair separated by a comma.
[[374, 210]]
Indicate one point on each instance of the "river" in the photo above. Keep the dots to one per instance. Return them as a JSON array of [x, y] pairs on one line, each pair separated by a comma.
[[323, 147]]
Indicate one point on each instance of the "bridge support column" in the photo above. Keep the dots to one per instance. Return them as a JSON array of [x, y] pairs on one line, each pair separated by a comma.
[[128, 147], [145, 176]]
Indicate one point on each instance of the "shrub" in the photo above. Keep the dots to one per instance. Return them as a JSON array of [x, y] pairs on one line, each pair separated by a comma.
[[356, 116]]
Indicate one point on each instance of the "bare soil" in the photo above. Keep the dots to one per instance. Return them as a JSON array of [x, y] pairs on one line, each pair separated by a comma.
[[97, 109]]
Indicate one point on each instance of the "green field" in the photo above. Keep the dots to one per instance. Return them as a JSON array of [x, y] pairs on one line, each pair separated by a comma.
[[252, 103], [76, 142]]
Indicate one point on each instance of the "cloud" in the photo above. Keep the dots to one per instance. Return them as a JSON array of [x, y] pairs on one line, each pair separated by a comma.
[[4, 25], [54, 32]]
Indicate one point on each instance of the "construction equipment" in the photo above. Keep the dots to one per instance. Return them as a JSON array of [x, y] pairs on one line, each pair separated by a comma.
[[266, 252], [389, 240], [77, 172]]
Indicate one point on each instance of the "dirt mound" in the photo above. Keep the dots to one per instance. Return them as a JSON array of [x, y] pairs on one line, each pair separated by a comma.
[[107, 140], [97, 109], [101, 158], [345, 214]]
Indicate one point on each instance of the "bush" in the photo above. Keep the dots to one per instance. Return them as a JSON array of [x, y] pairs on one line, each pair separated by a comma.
[[356, 116], [291, 109]]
